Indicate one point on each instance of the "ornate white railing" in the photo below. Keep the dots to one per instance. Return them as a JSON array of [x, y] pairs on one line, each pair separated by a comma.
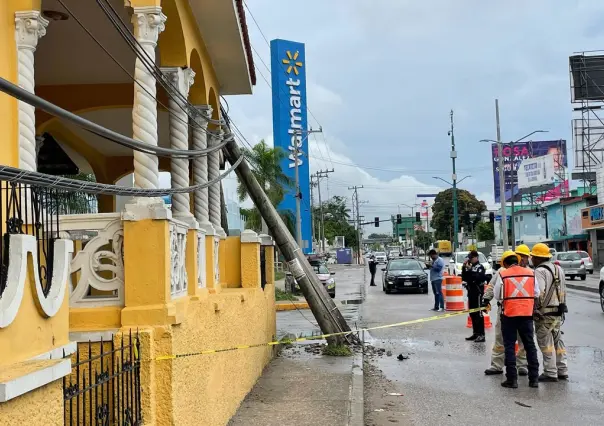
[[97, 269], [178, 248]]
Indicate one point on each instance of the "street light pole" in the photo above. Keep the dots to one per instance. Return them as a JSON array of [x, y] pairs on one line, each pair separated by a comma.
[[454, 178], [504, 215]]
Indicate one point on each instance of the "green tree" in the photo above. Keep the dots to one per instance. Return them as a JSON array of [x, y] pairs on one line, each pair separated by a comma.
[[423, 239], [442, 211], [485, 231], [337, 220], [266, 167], [375, 236]]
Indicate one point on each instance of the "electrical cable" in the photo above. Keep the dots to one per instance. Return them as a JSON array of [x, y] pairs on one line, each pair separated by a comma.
[[37, 179], [54, 110]]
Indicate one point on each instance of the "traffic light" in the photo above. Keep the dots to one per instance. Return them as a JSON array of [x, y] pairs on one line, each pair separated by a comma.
[[491, 217], [417, 217], [377, 222], [399, 219]]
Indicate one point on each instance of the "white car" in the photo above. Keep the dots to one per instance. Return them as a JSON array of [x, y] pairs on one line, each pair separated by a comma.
[[380, 257], [457, 260]]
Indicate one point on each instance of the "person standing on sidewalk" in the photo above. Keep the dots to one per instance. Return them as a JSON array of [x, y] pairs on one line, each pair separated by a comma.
[[519, 290], [474, 275], [497, 353], [550, 314], [372, 269], [437, 267]]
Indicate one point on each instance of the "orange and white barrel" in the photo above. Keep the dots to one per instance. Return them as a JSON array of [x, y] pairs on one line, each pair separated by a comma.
[[454, 298]]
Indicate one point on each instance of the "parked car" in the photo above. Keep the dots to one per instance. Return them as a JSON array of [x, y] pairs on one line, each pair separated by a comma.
[[589, 264], [457, 260], [393, 254], [404, 274], [602, 288], [323, 273], [380, 257], [571, 263]]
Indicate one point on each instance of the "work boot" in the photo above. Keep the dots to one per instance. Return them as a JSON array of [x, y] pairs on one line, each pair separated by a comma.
[[510, 383], [480, 339], [562, 376], [544, 378], [522, 372], [472, 337], [492, 371], [533, 384]]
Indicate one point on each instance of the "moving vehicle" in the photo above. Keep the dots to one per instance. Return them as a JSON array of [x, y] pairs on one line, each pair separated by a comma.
[[589, 264], [457, 260], [394, 254], [380, 257], [495, 256], [602, 288], [405, 274], [443, 248], [571, 263], [323, 273]]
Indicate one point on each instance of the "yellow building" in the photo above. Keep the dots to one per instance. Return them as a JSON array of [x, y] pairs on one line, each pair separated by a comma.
[[100, 291]]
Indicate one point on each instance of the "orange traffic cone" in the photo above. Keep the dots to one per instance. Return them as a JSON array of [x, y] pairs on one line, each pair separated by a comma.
[[469, 322], [487, 320], [516, 348]]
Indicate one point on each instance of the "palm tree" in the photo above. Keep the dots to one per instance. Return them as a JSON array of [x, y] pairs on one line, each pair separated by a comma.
[[266, 167]]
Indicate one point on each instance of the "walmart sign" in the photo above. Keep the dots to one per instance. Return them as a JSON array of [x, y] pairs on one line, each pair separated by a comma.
[[290, 125]]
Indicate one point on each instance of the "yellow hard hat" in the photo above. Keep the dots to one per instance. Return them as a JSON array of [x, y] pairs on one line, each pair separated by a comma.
[[523, 250], [507, 254], [541, 250]]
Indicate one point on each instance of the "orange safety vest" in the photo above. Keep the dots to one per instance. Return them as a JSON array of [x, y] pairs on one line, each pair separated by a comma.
[[518, 291]]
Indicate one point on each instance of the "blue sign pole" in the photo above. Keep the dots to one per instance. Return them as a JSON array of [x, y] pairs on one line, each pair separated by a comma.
[[290, 127]]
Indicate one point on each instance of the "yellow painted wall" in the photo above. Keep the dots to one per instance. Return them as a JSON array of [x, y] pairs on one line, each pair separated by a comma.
[[250, 265], [231, 261], [30, 334], [43, 406]]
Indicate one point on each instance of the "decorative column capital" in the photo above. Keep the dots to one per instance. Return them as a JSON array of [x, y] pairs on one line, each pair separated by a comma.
[[148, 23], [205, 113], [30, 26], [180, 78]]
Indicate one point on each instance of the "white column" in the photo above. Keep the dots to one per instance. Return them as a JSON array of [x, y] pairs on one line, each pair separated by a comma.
[[30, 26], [200, 167], [179, 138], [214, 189], [148, 23]]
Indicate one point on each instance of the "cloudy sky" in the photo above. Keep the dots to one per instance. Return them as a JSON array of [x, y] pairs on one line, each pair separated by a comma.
[[383, 76]]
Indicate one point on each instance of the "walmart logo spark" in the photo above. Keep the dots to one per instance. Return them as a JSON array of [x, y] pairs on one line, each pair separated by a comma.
[[292, 62]]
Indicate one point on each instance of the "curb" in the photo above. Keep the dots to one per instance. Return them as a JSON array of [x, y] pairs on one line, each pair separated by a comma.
[[291, 306], [356, 407], [582, 287]]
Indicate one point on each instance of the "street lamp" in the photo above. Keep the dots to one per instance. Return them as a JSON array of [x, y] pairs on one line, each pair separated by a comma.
[[455, 215], [504, 224]]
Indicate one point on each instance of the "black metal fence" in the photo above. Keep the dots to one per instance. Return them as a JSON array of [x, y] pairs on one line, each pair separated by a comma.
[[26, 209], [104, 387]]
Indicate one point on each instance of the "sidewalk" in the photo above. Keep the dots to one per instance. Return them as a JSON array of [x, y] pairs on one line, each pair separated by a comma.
[[302, 387], [591, 284]]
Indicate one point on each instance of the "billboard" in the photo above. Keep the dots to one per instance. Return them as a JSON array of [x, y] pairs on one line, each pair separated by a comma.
[[512, 157], [536, 172], [290, 125]]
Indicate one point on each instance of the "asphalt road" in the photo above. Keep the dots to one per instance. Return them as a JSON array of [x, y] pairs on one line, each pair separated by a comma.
[[443, 383]]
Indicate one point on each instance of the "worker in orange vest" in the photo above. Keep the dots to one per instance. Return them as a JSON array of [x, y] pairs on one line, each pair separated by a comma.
[[518, 289]]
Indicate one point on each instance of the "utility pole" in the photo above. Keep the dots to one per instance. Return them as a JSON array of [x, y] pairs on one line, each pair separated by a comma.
[[454, 178], [321, 174], [355, 201], [325, 311], [504, 216], [297, 153], [312, 209]]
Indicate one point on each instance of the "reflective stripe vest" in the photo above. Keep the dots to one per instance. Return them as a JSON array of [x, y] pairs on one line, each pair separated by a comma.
[[518, 291]]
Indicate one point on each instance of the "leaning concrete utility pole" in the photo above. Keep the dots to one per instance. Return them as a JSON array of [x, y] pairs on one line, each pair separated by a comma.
[[504, 216], [325, 311]]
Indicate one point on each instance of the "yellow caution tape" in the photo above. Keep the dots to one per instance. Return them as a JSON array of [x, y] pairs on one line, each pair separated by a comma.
[[319, 337]]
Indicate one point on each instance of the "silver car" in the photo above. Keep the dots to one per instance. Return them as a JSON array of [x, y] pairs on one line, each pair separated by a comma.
[[571, 263], [589, 264]]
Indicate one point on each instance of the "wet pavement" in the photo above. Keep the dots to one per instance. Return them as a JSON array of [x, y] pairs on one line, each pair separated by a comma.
[[349, 288], [443, 382]]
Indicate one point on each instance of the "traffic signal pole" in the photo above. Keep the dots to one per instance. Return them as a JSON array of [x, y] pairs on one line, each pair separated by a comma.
[[454, 178]]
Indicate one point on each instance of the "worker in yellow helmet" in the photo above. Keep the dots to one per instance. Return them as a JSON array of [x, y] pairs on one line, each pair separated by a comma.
[[551, 308], [497, 353]]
